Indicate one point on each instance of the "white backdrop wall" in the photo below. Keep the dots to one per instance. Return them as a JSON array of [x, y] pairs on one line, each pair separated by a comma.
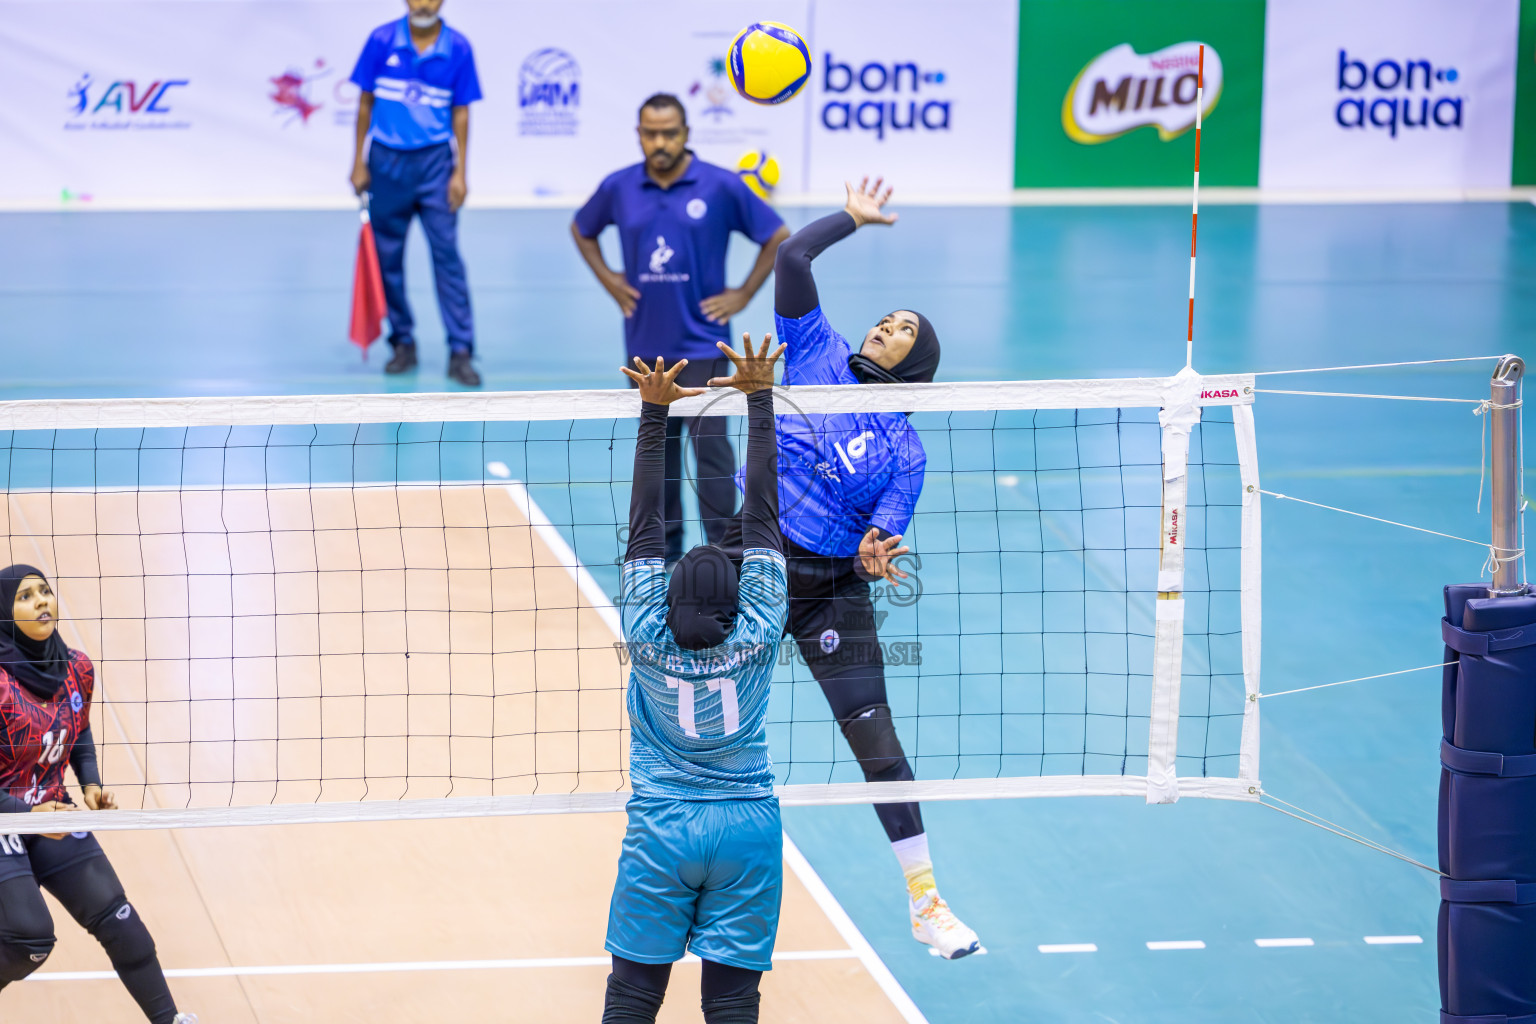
[[246, 102], [1349, 87]]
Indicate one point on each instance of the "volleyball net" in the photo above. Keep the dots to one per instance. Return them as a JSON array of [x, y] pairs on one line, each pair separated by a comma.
[[402, 606]]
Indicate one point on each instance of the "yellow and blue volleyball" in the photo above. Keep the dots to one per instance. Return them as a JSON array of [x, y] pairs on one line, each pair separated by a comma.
[[768, 62], [760, 173]]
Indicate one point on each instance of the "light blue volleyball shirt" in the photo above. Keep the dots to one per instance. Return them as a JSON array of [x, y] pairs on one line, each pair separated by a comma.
[[699, 719]]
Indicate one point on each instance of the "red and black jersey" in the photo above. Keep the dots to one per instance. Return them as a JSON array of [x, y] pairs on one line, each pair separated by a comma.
[[37, 736]]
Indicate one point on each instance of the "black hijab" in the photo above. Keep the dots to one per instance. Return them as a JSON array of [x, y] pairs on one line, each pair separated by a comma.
[[701, 598], [39, 665], [919, 365]]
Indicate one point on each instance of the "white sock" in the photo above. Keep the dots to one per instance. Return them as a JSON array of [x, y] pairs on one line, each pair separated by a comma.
[[916, 864]]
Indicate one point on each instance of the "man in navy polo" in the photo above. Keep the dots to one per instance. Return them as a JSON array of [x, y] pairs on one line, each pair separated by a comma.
[[418, 79], [675, 215]]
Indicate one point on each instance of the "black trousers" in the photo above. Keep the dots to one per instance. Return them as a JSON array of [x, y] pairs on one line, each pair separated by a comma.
[[714, 478], [90, 891]]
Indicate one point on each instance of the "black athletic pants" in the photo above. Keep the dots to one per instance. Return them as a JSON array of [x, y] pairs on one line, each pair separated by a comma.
[[836, 625], [714, 463], [90, 891], [728, 994]]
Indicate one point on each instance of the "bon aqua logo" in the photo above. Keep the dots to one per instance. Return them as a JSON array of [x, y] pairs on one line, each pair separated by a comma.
[[1121, 90], [883, 97], [123, 104], [1392, 94]]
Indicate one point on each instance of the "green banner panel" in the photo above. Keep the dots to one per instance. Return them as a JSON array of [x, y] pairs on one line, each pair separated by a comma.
[[1522, 169], [1107, 92]]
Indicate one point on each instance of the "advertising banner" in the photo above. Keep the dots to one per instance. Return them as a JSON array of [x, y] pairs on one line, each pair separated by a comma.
[[920, 92], [1523, 164], [1389, 93], [247, 102], [1106, 92]]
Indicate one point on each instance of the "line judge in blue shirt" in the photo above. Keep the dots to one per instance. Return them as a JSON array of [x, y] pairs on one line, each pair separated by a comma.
[[418, 79], [675, 214]]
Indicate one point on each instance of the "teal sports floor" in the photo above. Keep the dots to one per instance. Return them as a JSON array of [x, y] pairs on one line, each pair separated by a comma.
[[115, 304]]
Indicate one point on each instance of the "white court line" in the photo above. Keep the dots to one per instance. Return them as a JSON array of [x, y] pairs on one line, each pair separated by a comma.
[[1281, 943], [1394, 940], [412, 965], [1069, 947], [792, 856], [1171, 196], [1177, 944]]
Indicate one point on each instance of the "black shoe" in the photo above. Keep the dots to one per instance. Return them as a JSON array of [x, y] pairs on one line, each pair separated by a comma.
[[404, 358], [462, 370]]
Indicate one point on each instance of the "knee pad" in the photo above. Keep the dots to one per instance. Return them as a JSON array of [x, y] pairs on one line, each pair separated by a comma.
[[629, 1004], [739, 1009], [20, 957], [871, 735], [123, 934]]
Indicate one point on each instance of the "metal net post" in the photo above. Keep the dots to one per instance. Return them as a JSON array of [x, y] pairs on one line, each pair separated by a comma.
[[1504, 411]]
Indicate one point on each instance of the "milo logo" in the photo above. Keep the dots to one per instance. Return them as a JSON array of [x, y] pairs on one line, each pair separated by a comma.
[[1121, 90]]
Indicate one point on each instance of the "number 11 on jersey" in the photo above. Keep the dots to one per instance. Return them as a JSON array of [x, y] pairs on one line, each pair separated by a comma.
[[729, 707]]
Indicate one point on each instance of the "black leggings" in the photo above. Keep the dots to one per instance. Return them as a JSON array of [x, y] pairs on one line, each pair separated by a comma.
[[830, 606], [728, 994], [90, 891]]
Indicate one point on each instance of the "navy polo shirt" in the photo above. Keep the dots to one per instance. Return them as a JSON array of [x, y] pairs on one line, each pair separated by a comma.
[[414, 94], [674, 243]]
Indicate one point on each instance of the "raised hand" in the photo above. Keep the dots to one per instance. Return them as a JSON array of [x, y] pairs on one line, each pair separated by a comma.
[[754, 370], [878, 556], [658, 385], [866, 205]]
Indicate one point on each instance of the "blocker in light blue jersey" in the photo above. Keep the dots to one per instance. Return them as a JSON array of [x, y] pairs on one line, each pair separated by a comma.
[[701, 870], [840, 473], [698, 719]]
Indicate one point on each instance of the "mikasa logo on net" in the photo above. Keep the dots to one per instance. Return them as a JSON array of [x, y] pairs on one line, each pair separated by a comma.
[[1393, 94]]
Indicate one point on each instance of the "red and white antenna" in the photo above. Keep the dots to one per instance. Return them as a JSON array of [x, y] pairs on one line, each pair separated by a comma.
[[1194, 217]]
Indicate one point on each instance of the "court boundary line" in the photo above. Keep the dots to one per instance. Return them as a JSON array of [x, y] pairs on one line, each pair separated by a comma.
[[1242, 195], [388, 967]]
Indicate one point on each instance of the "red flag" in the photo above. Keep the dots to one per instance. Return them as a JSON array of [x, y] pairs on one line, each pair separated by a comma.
[[368, 307]]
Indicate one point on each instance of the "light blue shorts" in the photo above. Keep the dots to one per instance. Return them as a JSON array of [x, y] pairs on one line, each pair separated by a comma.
[[703, 877]]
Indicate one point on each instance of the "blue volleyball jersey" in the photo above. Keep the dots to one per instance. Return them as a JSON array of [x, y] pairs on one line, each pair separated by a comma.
[[699, 719], [840, 473]]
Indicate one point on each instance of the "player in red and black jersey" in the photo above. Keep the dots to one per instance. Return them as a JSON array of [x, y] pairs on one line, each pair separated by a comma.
[[45, 720]]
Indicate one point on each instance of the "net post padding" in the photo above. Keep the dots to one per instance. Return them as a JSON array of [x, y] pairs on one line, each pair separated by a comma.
[[1487, 928], [1252, 572], [1177, 418]]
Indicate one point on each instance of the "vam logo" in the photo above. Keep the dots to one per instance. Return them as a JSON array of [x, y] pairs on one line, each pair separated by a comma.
[[1121, 90], [896, 96], [1389, 97], [548, 93]]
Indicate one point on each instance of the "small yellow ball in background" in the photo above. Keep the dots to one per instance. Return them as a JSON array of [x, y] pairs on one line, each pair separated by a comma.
[[760, 172]]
